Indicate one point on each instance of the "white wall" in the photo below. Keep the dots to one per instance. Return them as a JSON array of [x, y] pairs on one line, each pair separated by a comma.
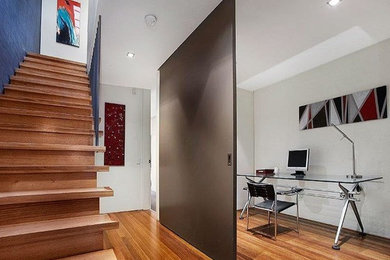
[[131, 183], [245, 141], [276, 131], [155, 141], [94, 9], [49, 46]]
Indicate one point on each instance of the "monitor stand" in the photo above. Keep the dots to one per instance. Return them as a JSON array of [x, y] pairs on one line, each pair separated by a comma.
[[298, 173]]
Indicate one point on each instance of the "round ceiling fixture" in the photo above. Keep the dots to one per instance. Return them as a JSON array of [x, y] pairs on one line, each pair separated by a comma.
[[150, 20], [131, 55], [334, 3]]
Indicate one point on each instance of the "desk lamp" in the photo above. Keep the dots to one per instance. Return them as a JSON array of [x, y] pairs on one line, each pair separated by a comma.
[[353, 175]]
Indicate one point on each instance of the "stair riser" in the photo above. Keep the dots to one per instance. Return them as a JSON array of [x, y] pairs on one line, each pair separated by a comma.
[[82, 91], [55, 59], [54, 247], [56, 75], [42, 107], [54, 82], [57, 64], [42, 67], [47, 122], [28, 157], [44, 137], [47, 181], [30, 212], [27, 170], [20, 94]]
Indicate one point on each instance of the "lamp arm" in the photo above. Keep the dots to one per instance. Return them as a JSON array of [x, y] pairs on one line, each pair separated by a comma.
[[344, 135], [354, 175]]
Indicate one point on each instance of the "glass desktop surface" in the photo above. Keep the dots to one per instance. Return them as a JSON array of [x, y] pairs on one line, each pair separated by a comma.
[[314, 177]]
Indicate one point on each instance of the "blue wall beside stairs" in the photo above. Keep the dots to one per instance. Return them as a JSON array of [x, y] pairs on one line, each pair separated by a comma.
[[20, 32]]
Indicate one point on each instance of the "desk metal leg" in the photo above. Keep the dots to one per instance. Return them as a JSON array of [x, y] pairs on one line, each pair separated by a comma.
[[349, 199], [355, 210], [343, 213]]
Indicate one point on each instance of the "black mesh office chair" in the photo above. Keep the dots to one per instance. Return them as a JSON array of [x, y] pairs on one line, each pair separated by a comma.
[[270, 204]]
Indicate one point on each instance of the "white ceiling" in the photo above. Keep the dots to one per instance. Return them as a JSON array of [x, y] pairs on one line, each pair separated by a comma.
[[276, 39], [279, 39], [124, 30]]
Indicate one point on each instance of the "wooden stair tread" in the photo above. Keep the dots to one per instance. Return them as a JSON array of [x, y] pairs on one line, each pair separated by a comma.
[[37, 113], [80, 224], [107, 254], [50, 83], [18, 169], [38, 129], [47, 103], [39, 91], [50, 147], [46, 100], [46, 57], [38, 169], [17, 197], [21, 72], [56, 64], [48, 68]]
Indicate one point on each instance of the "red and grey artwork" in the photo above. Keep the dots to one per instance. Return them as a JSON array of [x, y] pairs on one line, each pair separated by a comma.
[[358, 107], [114, 134]]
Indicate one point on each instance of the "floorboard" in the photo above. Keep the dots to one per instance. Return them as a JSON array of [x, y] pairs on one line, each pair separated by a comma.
[[140, 236]]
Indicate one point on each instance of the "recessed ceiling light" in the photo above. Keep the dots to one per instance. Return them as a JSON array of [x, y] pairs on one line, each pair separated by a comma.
[[150, 20], [130, 55], [334, 2]]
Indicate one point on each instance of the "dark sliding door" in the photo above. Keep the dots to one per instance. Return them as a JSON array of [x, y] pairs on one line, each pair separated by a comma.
[[197, 137]]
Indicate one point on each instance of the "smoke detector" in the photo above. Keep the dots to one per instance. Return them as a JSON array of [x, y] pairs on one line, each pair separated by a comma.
[[150, 20]]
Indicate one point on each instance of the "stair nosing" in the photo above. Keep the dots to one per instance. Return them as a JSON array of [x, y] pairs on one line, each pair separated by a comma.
[[26, 100], [69, 73], [20, 79], [50, 147], [39, 169], [43, 226], [51, 58], [51, 131], [33, 196], [31, 90], [32, 74], [85, 106], [57, 64], [54, 115]]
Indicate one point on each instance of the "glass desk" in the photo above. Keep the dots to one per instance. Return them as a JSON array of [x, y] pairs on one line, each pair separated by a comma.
[[347, 194]]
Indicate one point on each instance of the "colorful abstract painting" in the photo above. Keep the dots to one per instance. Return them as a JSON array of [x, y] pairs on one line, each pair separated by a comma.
[[114, 134], [68, 22], [358, 107]]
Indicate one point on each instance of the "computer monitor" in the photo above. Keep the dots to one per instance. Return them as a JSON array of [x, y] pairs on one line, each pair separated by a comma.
[[298, 160]]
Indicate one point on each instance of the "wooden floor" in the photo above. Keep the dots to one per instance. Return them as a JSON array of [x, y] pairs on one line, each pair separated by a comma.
[[140, 236]]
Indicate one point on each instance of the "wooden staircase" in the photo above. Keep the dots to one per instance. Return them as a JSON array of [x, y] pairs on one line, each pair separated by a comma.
[[49, 201]]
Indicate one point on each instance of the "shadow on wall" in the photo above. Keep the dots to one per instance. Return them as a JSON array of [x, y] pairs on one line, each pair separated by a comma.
[[20, 27]]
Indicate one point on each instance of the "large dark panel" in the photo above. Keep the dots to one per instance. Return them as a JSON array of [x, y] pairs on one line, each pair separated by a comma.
[[20, 26], [197, 132]]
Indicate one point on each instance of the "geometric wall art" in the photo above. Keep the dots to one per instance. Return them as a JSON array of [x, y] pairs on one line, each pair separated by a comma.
[[114, 134], [68, 22], [358, 107]]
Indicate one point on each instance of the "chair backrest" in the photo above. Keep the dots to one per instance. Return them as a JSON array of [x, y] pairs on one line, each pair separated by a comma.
[[266, 191]]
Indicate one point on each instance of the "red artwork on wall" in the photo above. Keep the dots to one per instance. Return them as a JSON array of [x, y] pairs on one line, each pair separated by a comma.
[[114, 134]]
